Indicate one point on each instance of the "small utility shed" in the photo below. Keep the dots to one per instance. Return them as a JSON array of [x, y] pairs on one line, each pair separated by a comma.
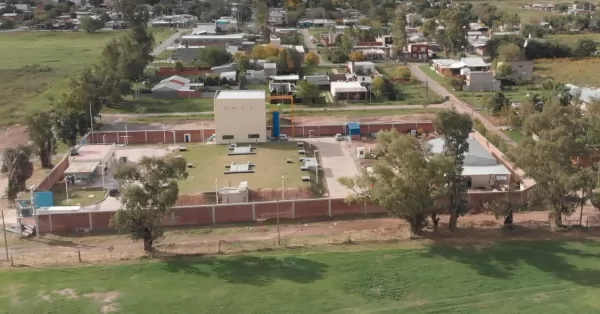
[[353, 130]]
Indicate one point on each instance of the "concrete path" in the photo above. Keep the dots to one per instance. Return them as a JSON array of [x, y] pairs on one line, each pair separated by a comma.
[[459, 105], [166, 43], [336, 162]]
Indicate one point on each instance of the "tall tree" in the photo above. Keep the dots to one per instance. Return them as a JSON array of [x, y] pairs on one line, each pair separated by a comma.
[[452, 37], [91, 25], [17, 166], [39, 127], [407, 179], [399, 33], [70, 121], [149, 190], [262, 17], [312, 58], [214, 56], [455, 128], [307, 91]]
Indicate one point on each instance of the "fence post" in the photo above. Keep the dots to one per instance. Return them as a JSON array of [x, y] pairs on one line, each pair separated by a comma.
[[293, 209], [214, 220], [219, 246], [365, 205], [329, 204], [79, 255], [146, 135], [253, 211], [91, 223]]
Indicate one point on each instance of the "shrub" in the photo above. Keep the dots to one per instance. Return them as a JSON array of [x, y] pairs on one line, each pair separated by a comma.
[[595, 200]]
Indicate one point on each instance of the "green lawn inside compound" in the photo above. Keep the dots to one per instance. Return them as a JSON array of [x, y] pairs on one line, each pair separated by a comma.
[[62, 54], [513, 277]]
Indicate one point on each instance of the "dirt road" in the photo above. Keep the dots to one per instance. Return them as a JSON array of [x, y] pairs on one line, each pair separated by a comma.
[[458, 104]]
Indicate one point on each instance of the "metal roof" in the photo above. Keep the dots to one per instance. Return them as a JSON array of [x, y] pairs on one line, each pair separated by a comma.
[[477, 155], [240, 94], [485, 170]]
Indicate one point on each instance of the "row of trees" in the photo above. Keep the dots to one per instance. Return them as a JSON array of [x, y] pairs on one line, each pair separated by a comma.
[[103, 84]]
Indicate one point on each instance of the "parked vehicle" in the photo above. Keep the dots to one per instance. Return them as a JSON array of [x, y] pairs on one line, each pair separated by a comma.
[[339, 137]]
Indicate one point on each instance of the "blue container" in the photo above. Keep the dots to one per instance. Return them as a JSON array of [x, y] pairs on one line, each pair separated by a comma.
[[276, 125]]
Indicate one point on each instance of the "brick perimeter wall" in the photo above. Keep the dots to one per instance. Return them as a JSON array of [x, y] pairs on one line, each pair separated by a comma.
[[198, 135]]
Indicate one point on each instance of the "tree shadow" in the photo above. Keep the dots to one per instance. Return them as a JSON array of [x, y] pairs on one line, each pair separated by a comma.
[[502, 259], [249, 269]]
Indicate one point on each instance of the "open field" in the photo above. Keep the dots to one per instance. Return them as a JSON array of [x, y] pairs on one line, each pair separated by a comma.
[[60, 55], [572, 39], [511, 277], [77, 196], [270, 161], [515, 7], [154, 105], [583, 72]]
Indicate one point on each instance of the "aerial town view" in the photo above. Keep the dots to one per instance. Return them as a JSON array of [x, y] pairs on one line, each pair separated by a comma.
[[318, 156]]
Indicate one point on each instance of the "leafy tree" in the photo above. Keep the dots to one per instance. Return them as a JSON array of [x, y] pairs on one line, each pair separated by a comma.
[[585, 47], [242, 62], [510, 52], [70, 122], [454, 128], [496, 103], [338, 57], [357, 56], [179, 66], [453, 37], [486, 13], [18, 168], [289, 61], [312, 58], [407, 179], [262, 16], [378, 87], [214, 56], [307, 91], [149, 190], [503, 69], [399, 31], [555, 91], [6, 23], [549, 160], [91, 25], [39, 127]]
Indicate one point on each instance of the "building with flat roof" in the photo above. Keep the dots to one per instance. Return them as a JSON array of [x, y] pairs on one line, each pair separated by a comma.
[[240, 116], [349, 91], [213, 40], [90, 161]]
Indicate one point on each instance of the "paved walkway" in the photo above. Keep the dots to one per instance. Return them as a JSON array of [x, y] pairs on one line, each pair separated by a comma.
[[459, 105], [166, 43], [337, 162]]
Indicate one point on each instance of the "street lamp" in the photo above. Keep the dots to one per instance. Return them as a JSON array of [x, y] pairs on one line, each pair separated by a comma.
[[282, 187], [217, 190]]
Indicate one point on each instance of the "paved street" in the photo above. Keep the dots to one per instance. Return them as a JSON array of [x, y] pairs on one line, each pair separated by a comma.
[[312, 47], [166, 43]]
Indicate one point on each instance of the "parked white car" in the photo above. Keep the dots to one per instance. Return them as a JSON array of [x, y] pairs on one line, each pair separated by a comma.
[[339, 137]]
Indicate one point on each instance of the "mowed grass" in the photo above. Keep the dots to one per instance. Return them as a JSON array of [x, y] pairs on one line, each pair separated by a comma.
[[270, 161], [515, 135], [582, 72], [78, 196], [516, 7], [65, 53], [154, 105], [572, 39], [526, 277]]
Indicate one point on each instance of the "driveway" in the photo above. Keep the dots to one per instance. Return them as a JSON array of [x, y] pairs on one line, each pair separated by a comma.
[[336, 162], [312, 47], [166, 43], [459, 105]]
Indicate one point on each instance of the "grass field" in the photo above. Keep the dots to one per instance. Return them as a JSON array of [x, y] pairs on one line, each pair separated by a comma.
[[514, 277], [582, 72], [515, 135], [270, 161], [154, 105], [77, 196], [515, 7], [63, 53], [572, 39]]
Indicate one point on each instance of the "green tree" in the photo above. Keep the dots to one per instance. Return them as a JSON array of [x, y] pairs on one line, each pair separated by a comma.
[[407, 179], [91, 25], [39, 127], [262, 16], [312, 59], [149, 190], [179, 66], [454, 128], [585, 47], [307, 91], [399, 33], [242, 62], [69, 121], [214, 56], [18, 168], [503, 70], [453, 37], [378, 87], [496, 102], [510, 52]]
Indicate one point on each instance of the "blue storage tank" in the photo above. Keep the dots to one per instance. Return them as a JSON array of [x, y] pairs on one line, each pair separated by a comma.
[[276, 125]]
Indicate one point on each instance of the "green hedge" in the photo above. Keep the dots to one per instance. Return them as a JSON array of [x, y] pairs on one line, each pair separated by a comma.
[[494, 138]]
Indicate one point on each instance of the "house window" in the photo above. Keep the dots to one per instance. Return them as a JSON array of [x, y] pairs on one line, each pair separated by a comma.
[[253, 135], [227, 137]]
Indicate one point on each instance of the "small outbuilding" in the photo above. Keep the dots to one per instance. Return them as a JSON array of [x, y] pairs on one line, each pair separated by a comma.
[[353, 130]]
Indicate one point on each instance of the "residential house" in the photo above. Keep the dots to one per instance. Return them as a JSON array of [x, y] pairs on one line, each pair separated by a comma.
[[12, 16], [25, 8], [213, 40], [418, 51], [223, 68], [478, 81], [481, 169], [320, 80], [256, 76], [366, 67], [270, 68], [522, 69], [477, 44], [586, 94], [414, 19], [450, 67], [348, 91], [177, 87], [291, 78]]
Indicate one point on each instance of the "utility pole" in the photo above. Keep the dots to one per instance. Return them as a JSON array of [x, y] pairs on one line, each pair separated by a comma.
[[5, 240]]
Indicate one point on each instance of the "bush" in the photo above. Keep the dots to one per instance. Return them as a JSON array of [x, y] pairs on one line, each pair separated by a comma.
[[595, 200]]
